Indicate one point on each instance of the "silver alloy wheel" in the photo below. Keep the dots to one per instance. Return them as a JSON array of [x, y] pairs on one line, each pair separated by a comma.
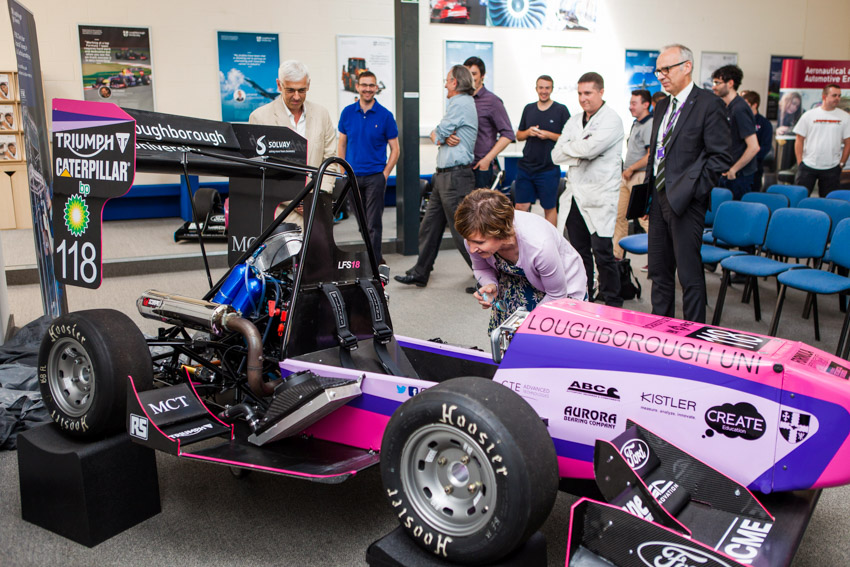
[[70, 376], [448, 479]]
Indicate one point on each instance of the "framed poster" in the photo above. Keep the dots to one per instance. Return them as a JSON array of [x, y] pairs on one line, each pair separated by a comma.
[[710, 61], [248, 64], [640, 70], [458, 51], [8, 89], [358, 53], [563, 64], [11, 148], [552, 15], [9, 119], [773, 84], [116, 65]]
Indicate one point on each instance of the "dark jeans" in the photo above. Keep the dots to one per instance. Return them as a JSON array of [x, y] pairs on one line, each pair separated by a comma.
[[449, 189], [590, 246], [674, 244], [739, 186], [373, 187], [484, 179], [828, 180]]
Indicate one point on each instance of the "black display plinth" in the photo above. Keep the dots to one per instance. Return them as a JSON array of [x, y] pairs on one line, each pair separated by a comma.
[[396, 549], [85, 491]]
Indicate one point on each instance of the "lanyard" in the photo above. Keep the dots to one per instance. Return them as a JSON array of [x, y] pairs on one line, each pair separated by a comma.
[[671, 122]]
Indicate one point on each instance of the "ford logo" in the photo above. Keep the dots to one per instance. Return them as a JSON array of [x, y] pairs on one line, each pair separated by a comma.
[[668, 554]]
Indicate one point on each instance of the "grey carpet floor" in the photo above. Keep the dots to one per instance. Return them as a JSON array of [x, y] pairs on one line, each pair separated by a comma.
[[210, 518]]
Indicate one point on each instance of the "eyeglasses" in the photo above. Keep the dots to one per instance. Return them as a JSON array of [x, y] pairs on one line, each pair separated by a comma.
[[289, 91], [665, 71], [716, 82]]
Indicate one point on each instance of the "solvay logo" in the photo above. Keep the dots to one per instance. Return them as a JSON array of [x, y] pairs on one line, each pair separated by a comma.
[[261, 146], [669, 554], [139, 426], [636, 453]]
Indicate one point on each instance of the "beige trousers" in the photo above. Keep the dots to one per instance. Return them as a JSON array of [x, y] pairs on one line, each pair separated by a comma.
[[621, 229]]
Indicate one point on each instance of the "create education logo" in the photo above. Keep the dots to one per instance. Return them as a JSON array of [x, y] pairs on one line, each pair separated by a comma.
[[76, 215]]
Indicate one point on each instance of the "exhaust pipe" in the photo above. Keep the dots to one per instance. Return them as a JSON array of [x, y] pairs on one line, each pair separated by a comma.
[[211, 317]]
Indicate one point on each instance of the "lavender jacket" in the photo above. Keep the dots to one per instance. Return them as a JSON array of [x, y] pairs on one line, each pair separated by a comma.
[[550, 263]]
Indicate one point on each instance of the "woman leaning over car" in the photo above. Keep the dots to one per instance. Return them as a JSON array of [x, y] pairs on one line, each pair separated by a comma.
[[519, 259]]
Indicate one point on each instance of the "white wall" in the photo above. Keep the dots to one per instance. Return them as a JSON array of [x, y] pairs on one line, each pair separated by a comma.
[[186, 65]]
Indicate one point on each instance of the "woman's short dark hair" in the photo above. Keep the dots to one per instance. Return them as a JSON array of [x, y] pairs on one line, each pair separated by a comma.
[[486, 212]]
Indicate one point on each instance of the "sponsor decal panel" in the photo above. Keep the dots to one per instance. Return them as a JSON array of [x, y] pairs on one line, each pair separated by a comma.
[[668, 405], [636, 507], [192, 431], [726, 337], [663, 489], [738, 420], [535, 391]]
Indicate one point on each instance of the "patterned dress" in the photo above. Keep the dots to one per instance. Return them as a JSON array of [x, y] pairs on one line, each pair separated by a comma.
[[515, 291]]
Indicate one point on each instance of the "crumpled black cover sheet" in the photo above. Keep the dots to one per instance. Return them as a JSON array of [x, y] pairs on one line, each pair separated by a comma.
[[20, 400]]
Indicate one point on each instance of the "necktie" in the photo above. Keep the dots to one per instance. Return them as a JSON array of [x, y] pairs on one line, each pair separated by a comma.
[[660, 177]]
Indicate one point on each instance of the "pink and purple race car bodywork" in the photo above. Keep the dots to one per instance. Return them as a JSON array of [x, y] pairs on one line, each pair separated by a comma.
[[768, 412]]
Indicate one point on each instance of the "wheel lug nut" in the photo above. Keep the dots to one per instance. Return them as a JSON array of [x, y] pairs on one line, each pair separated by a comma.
[[448, 488], [464, 459], [442, 461], [472, 487]]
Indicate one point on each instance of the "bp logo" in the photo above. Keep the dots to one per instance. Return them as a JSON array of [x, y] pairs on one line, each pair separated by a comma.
[[76, 215]]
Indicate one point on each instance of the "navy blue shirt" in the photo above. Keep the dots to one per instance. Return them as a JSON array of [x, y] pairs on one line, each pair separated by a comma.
[[764, 133], [743, 124], [368, 134], [537, 153]]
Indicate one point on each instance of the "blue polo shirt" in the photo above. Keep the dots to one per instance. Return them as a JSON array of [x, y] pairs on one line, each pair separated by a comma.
[[368, 134]]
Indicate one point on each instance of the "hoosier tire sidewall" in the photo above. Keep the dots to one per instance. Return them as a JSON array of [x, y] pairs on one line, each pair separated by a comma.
[[509, 524]]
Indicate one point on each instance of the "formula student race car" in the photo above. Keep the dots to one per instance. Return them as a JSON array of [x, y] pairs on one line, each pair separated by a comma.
[[289, 365]]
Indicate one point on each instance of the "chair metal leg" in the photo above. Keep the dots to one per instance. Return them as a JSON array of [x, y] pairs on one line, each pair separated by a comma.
[[756, 303], [842, 338], [815, 313], [807, 306], [777, 311], [842, 302], [745, 295], [721, 297]]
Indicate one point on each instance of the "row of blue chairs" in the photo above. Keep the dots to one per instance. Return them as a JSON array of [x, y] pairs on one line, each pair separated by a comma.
[[801, 233]]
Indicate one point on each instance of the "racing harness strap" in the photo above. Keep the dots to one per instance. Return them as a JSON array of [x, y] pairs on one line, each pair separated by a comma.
[[347, 340], [382, 332]]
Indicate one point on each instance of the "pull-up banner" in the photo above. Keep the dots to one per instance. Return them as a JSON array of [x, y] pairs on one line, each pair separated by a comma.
[[802, 86], [94, 160]]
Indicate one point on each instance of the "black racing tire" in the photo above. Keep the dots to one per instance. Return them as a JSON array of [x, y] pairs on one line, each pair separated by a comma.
[[205, 200], [83, 364], [469, 469]]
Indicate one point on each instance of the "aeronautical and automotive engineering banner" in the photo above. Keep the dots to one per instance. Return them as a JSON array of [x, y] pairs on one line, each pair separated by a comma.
[[116, 65], [640, 70], [94, 157], [248, 65], [358, 53], [801, 88], [37, 153]]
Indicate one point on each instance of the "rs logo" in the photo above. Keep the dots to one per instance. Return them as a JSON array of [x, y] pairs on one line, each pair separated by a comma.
[[139, 426]]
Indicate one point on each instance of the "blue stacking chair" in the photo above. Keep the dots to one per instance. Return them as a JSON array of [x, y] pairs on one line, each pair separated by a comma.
[[818, 282], [719, 195], [837, 209], [773, 201], [635, 244], [795, 193], [843, 194], [791, 233], [738, 225]]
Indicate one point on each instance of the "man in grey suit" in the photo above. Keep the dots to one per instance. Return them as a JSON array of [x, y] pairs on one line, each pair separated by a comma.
[[308, 119], [688, 150]]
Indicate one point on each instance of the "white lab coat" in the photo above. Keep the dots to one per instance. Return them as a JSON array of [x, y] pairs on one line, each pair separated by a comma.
[[594, 156]]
